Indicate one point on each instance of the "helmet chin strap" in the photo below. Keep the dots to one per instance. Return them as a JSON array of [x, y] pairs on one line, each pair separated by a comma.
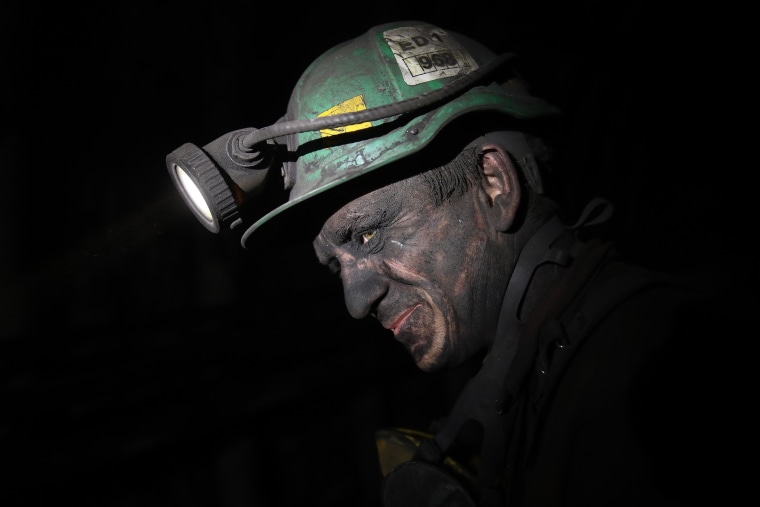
[[487, 396]]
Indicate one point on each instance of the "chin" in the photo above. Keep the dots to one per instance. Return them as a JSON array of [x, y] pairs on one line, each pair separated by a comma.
[[431, 353], [429, 362]]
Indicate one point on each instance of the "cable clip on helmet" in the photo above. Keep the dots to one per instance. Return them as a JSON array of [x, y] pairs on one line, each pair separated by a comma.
[[399, 83]]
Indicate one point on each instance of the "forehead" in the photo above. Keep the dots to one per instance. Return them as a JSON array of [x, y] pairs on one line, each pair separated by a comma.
[[378, 207], [387, 199]]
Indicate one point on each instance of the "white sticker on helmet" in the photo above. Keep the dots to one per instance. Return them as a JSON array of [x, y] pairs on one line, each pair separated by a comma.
[[426, 52]]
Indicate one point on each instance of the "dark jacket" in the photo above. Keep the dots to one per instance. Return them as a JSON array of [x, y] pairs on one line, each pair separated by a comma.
[[618, 406]]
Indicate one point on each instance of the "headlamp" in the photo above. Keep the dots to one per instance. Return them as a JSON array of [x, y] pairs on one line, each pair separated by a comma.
[[216, 180]]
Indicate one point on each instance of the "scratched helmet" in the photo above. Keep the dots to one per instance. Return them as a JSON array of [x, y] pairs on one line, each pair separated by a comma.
[[384, 96]]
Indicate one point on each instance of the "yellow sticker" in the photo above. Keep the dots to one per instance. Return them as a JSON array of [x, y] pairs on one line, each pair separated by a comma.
[[352, 105]]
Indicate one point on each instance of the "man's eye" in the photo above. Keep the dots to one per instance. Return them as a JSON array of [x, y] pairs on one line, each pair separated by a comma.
[[367, 236]]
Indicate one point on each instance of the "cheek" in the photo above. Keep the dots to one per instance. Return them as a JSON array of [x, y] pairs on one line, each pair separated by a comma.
[[445, 250], [461, 255]]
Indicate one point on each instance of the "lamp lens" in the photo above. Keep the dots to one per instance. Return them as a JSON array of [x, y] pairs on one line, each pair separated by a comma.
[[193, 192]]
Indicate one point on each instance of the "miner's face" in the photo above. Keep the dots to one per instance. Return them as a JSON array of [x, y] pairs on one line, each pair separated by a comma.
[[430, 274]]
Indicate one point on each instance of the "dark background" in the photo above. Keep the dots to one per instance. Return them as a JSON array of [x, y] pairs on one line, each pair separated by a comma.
[[145, 361]]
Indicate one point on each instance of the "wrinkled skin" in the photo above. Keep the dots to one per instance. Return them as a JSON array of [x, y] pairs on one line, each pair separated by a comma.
[[432, 275]]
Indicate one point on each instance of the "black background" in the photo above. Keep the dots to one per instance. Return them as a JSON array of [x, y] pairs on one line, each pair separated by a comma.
[[145, 361]]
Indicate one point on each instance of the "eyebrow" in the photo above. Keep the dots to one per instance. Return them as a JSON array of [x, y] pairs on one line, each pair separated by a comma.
[[370, 214], [357, 221]]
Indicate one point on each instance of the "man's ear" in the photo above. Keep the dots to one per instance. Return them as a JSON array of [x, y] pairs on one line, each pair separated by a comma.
[[501, 183]]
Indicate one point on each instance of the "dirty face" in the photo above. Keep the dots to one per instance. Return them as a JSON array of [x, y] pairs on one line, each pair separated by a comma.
[[432, 275]]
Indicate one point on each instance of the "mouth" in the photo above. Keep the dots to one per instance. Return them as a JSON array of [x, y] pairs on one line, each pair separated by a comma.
[[396, 326]]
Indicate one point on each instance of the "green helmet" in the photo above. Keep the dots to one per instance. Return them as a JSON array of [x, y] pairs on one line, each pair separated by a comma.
[[396, 67]]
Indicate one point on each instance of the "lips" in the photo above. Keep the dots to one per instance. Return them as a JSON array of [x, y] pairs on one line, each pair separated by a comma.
[[396, 326]]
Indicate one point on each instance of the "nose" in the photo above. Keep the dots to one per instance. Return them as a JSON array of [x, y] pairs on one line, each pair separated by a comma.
[[363, 289]]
